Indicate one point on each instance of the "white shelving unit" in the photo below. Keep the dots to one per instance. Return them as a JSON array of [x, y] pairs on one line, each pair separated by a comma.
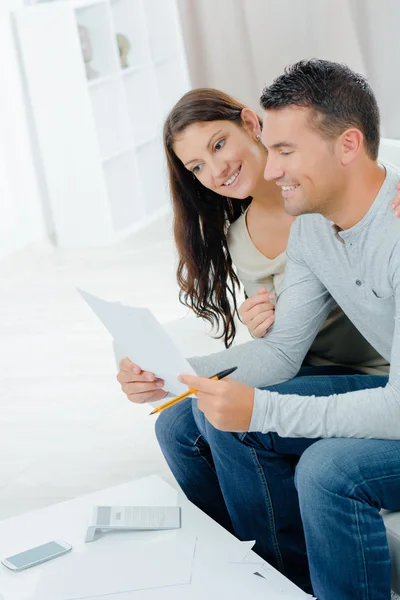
[[100, 139]]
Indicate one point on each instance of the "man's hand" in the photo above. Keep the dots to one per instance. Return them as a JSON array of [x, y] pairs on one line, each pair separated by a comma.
[[227, 404], [258, 313], [396, 202], [139, 386]]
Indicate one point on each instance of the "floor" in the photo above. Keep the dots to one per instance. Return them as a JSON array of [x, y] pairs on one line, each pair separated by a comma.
[[66, 428]]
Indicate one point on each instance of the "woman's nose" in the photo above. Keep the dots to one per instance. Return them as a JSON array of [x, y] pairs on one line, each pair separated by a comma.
[[219, 168]]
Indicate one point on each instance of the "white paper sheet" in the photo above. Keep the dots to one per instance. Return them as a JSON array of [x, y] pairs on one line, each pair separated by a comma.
[[225, 581], [138, 333], [210, 554], [118, 567]]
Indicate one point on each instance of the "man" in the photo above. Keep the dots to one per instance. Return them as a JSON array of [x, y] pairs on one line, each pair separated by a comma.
[[313, 460]]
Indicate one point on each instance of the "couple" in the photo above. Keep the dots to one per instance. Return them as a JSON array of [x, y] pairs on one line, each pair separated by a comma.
[[304, 462]]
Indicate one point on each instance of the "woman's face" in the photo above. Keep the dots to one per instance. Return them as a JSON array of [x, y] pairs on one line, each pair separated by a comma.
[[225, 157]]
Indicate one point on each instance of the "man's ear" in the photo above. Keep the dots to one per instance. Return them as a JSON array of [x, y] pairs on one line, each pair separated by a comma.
[[251, 122], [351, 143]]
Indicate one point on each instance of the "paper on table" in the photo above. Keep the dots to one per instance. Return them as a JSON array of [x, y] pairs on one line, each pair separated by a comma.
[[143, 340], [235, 580], [118, 567], [241, 552], [211, 554], [226, 580]]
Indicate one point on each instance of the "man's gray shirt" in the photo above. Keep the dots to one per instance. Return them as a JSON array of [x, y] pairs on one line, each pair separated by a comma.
[[359, 268]]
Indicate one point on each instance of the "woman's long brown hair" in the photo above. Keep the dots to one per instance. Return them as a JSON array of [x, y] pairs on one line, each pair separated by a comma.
[[205, 274]]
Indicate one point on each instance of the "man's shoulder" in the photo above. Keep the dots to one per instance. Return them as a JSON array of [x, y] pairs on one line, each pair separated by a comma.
[[309, 225], [307, 234]]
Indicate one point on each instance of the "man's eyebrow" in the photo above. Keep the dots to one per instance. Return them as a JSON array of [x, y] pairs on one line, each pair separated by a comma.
[[208, 145], [283, 145]]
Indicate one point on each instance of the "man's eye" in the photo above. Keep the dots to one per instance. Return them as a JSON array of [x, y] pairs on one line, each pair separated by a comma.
[[284, 153], [219, 145]]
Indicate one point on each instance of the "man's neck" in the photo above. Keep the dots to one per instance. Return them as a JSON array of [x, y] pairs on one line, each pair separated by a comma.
[[358, 197]]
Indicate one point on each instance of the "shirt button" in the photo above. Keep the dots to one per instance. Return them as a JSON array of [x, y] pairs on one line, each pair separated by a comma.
[[358, 282]]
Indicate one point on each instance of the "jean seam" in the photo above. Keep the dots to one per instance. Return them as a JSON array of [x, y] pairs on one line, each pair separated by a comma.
[[356, 485], [201, 455], [361, 545], [270, 510]]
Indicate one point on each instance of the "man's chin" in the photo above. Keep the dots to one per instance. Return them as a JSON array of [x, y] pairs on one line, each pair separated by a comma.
[[293, 208]]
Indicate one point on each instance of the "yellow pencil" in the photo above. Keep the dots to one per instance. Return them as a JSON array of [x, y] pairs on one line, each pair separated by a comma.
[[190, 392]]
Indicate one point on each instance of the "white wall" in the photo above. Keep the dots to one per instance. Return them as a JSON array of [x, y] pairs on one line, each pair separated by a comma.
[[241, 45], [377, 25], [22, 215]]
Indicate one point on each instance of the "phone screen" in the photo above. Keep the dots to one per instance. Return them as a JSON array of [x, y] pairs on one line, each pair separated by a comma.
[[35, 554]]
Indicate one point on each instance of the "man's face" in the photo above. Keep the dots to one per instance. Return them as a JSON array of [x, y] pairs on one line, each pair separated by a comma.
[[301, 161]]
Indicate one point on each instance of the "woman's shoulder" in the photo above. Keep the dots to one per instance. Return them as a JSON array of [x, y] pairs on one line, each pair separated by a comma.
[[236, 228]]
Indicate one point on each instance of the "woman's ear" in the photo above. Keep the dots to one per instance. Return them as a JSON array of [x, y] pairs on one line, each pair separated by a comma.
[[251, 122]]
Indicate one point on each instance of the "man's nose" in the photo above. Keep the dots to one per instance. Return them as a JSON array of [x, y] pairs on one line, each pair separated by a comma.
[[272, 169]]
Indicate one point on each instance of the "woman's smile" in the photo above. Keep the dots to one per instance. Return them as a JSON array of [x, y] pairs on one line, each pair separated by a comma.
[[233, 179]]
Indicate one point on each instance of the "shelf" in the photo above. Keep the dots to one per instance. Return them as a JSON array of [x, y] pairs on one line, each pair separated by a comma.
[[78, 4], [163, 59], [101, 80], [117, 154], [151, 159], [101, 136], [142, 101], [129, 20], [111, 117], [146, 141], [98, 40], [124, 191], [135, 69]]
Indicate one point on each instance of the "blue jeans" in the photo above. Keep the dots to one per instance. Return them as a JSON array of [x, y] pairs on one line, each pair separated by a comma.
[[311, 505]]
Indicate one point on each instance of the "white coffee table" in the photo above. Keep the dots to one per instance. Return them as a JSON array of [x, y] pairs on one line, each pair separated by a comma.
[[68, 521]]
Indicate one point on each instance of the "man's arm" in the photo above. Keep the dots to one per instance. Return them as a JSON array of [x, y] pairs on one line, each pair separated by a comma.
[[301, 309], [369, 413]]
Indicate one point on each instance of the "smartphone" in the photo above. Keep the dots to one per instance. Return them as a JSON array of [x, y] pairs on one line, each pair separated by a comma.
[[36, 556]]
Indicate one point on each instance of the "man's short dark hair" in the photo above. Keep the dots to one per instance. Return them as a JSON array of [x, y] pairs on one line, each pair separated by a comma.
[[339, 97]]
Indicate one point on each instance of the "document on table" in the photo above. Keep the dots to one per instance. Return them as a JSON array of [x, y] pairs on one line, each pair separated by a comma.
[[138, 333], [226, 570], [117, 567]]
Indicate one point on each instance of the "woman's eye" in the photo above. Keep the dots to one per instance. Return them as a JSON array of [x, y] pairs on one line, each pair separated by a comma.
[[196, 169], [219, 145]]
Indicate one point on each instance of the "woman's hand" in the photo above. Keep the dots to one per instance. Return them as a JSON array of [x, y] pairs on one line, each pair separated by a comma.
[[257, 312], [396, 202], [139, 386]]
